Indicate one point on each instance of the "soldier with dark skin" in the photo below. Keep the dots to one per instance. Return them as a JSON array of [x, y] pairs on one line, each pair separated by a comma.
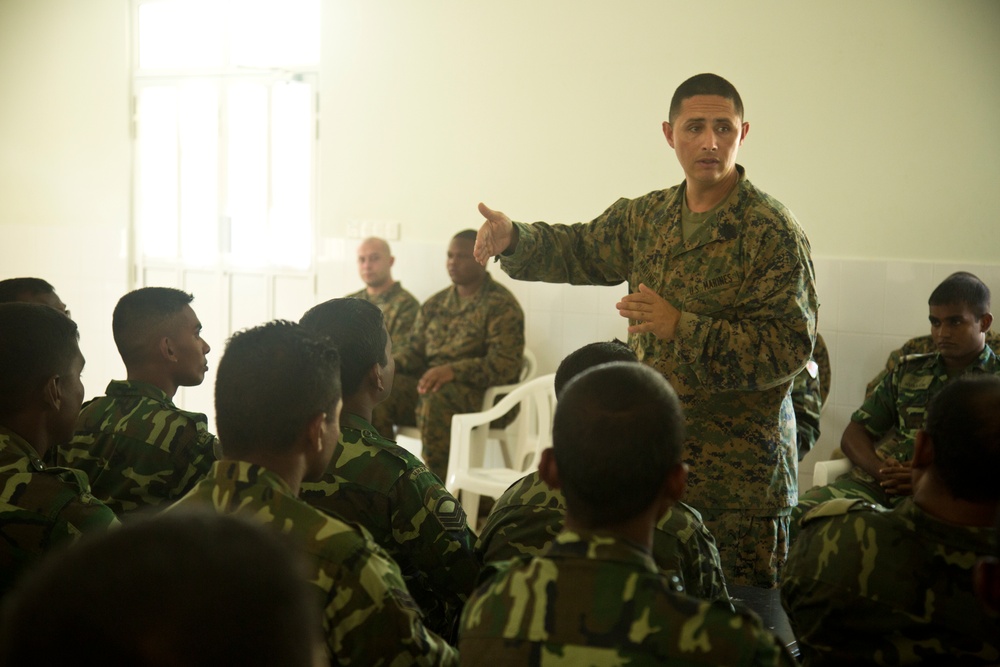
[[870, 586], [40, 396], [277, 404], [31, 290], [373, 482], [594, 596], [138, 448], [721, 300]]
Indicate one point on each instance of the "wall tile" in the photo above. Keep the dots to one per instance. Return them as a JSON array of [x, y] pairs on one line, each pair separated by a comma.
[[908, 284], [862, 296]]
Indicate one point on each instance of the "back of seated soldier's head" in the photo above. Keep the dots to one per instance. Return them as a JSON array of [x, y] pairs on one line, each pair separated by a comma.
[[31, 290], [591, 355], [273, 380], [963, 422], [184, 588], [962, 288], [38, 347], [357, 328], [617, 434]]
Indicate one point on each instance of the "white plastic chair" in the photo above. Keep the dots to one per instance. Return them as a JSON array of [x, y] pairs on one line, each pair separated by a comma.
[[826, 471], [528, 434]]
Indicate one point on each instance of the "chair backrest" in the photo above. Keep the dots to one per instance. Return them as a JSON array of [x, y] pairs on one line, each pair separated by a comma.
[[529, 367]]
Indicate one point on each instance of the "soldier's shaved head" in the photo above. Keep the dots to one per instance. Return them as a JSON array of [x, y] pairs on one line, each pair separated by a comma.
[[965, 288], [144, 315], [617, 434], [705, 84], [31, 290], [357, 328], [591, 355]]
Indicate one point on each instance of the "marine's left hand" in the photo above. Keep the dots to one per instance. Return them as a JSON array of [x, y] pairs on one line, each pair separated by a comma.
[[653, 313], [435, 378]]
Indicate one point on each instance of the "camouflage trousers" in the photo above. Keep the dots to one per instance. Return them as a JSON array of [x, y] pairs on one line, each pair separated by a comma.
[[844, 486], [753, 549]]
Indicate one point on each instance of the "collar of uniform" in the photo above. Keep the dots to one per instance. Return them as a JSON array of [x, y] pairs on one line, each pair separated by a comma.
[[723, 226], [935, 531], [120, 388], [11, 440], [453, 291], [987, 359], [599, 545], [244, 471], [352, 421]]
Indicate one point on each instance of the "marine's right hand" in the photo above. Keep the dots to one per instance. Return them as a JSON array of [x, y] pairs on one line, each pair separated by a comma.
[[495, 236]]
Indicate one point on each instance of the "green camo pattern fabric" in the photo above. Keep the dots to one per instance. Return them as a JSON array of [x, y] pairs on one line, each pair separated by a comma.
[[373, 482], [368, 615], [40, 507], [919, 345], [529, 515], [869, 586], [746, 291], [399, 308], [137, 448], [592, 599]]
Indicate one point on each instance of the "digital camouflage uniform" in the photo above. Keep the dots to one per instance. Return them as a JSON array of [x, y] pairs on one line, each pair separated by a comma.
[[399, 308], [137, 448], [892, 415], [40, 507], [808, 395], [869, 586], [481, 337], [593, 599], [918, 345], [745, 287], [369, 617], [375, 483], [529, 515]]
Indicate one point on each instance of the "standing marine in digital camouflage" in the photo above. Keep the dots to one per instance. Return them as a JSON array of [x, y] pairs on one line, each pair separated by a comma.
[[466, 338], [879, 439], [595, 596], [722, 302], [277, 402], [136, 447], [41, 392], [870, 586], [375, 483], [375, 263], [529, 515]]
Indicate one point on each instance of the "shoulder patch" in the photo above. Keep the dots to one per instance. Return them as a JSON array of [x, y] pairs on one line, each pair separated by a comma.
[[839, 507], [450, 513]]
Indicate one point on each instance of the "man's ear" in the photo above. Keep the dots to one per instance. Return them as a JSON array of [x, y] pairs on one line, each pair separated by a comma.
[[668, 132], [548, 470], [923, 450], [375, 376], [314, 433], [676, 481], [166, 348], [52, 393], [985, 322]]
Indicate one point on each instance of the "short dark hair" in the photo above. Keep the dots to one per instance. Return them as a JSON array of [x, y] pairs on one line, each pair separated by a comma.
[[466, 235], [617, 432], [591, 355], [272, 380], [963, 421], [139, 313], [705, 84], [36, 343], [962, 287], [357, 328], [181, 588], [12, 289]]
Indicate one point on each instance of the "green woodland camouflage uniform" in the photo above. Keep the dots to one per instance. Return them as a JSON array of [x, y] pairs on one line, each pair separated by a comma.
[[918, 345], [40, 507], [399, 308], [368, 616], [373, 482], [138, 449], [744, 284], [808, 394], [529, 515], [892, 415], [481, 337], [593, 599], [865, 585]]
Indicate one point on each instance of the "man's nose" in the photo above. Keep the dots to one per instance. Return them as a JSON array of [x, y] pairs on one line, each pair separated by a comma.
[[710, 141]]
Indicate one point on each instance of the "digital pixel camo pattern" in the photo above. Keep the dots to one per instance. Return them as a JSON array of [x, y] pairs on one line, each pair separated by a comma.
[[808, 395], [481, 337], [375, 483], [529, 515], [592, 599], [867, 586], [399, 308], [137, 448], [40, 507], [746, 291], [919, 345], [368, 616]]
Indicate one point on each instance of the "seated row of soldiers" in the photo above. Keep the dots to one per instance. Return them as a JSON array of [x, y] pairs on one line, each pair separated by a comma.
[[413, 559]]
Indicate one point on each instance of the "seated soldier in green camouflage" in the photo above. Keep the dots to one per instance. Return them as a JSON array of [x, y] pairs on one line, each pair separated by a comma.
[[868, 586], [277, 404], [138, 449], [373, 482], [529, 515], [595, 596], [40, 396], [879, 439]]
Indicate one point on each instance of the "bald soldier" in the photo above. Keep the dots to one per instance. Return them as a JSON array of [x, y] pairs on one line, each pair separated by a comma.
[[375, 262]]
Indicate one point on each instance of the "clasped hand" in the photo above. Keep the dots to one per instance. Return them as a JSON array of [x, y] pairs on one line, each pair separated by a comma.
[[653, 313]]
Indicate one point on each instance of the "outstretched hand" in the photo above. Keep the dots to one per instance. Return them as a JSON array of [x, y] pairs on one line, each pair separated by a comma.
[[495, 236], [653, 313]]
